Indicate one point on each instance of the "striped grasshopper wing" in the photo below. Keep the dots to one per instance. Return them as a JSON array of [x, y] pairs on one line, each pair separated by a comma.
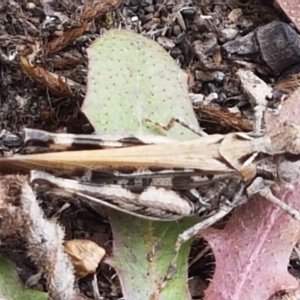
[[201, 154]]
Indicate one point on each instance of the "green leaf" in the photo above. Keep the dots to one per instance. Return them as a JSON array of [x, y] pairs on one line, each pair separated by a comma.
[[10, 286], [142, 253], [131, 78]]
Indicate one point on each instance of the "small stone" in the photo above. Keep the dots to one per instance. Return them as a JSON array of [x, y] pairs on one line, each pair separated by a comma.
[[205, 76], [134, 2], [175, 52], [134, 8], [176, 30], [134, 19], [235, 14], [149, 9], [30, 5], [145, 3], [165, 42], [242, 46], [219, 77], [211, 97], [229, 34], [196, 98], [279, 45]]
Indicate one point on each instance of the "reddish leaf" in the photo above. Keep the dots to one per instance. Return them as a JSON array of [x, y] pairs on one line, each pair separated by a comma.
[[291, 9], [252, 252]]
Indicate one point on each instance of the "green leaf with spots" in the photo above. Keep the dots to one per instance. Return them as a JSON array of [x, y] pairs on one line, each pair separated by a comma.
[[132, 78], [142, 253]]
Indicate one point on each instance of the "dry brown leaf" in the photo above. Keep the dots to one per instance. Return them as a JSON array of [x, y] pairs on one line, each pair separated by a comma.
[[288, 84], [217, 57], [191, 79], [95, 10], [67, 63], [85, 256], [228, 120], [53, 82], [67, 38]]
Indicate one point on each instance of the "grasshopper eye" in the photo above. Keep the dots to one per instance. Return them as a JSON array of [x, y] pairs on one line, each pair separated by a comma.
[[288, 171]]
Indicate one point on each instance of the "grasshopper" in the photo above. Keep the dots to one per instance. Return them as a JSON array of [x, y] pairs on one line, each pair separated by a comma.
[[234, 153], [227, 155], [233, 159]]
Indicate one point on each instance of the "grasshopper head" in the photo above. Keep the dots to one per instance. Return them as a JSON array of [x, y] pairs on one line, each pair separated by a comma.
[[288, 171]]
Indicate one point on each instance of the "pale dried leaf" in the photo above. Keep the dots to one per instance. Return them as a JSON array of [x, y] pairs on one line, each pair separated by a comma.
[[85, 256]]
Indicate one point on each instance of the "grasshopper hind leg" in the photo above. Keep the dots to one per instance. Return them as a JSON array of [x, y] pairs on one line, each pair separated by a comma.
[[187, 235], [235, 193]]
